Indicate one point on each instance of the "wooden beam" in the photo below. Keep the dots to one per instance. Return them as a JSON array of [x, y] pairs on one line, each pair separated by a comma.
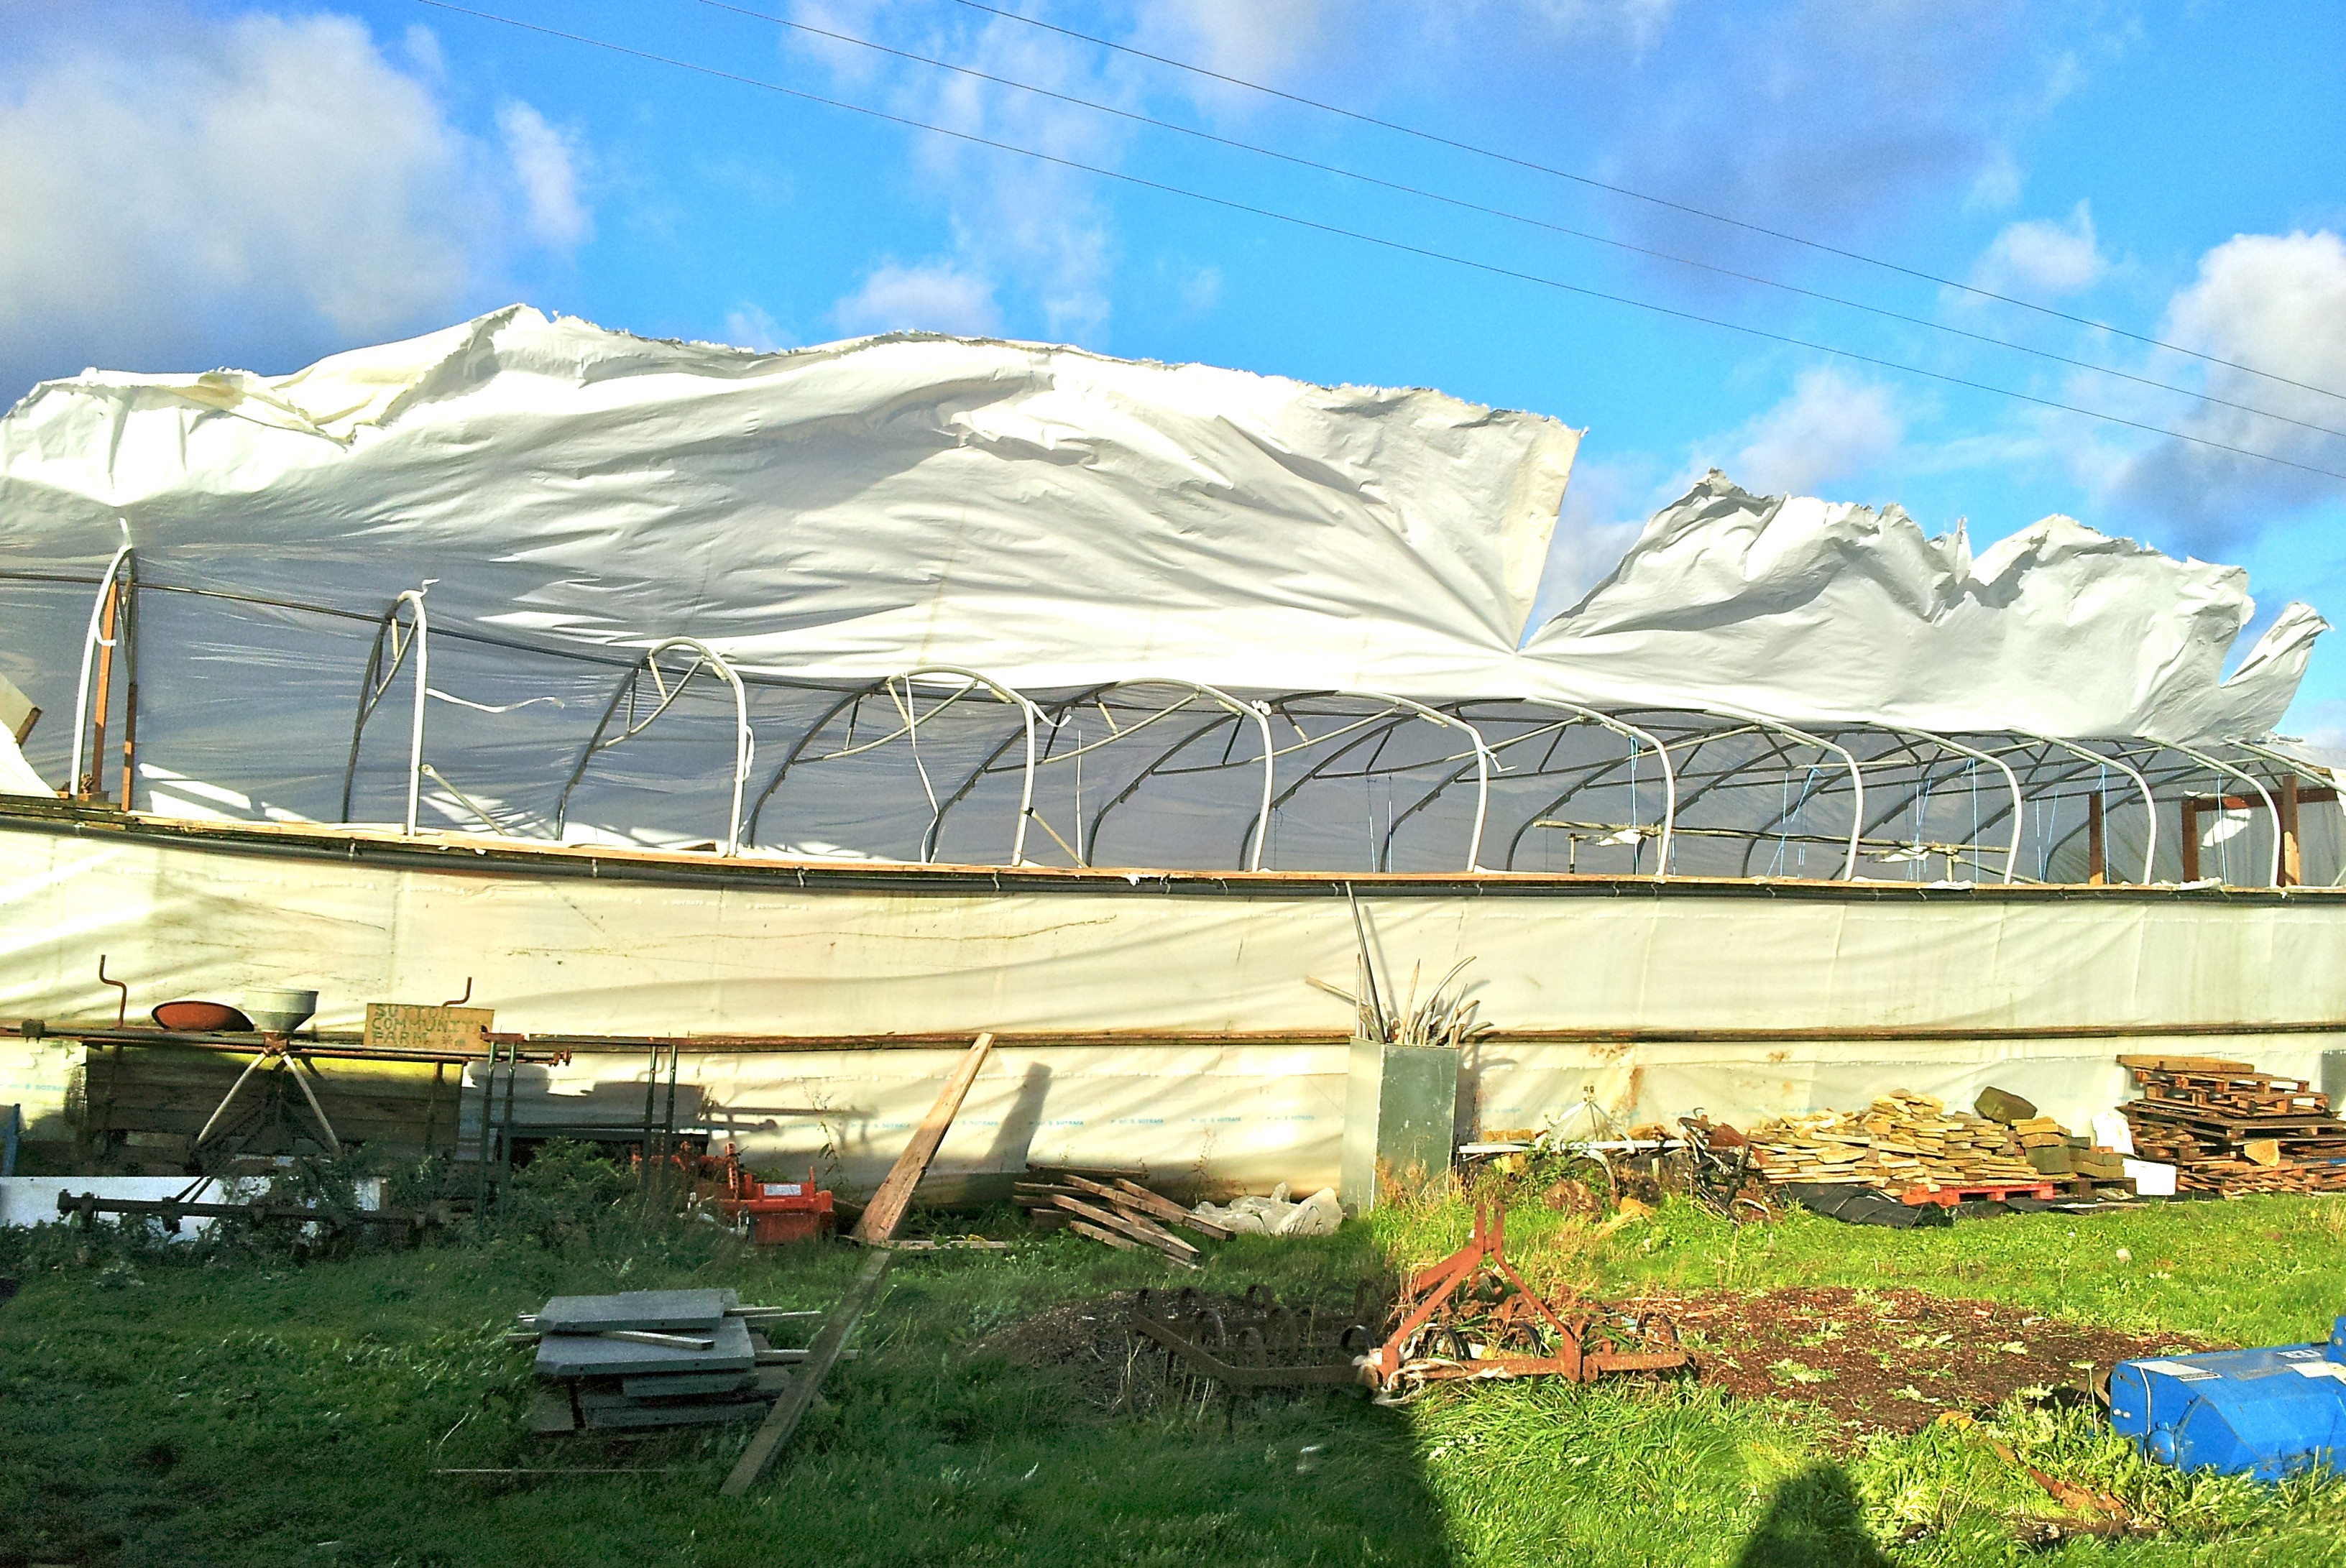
[[807, 1378], [92, 783], [2096, 845], [2191, 814], [1143, 1231], [887, 1206], [2292, 863]]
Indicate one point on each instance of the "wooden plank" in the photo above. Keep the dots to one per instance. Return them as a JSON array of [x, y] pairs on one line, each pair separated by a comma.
[[792, 1408], [1140, 1229], [2293, 864], [886, 1209], [2096, 856], [1133, 1195], [1096, 1234]]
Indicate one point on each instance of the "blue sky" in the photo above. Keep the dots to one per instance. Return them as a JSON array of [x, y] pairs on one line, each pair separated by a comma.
[[191, 184]]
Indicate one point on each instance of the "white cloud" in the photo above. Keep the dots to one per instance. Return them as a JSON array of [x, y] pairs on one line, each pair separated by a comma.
[[1830, 428], [544, 166], [1012, 218], [2044, 258], [1242, 38], [261, 188], [937, 296], [1818, 115], [1997, 184], [1201, 291], [1597, 525], [2277, 302], [750, 327]]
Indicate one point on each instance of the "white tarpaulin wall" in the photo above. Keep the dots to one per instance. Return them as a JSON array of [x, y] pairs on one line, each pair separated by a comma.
[[1781, 1000], [1055, 519]]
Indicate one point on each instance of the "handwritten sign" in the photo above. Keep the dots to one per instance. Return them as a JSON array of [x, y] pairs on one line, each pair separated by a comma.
[[400, 1026]]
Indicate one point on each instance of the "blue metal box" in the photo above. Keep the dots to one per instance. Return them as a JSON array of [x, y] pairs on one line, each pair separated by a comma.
[[2267, 1412]]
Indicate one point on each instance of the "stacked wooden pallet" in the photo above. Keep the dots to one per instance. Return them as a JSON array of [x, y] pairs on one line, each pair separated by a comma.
[[643, 1359], [1113, 1209], [2226, 1127], [1902, 1145]]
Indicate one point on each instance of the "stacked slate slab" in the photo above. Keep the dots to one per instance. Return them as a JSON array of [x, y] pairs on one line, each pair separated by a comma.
[[644, 1358]]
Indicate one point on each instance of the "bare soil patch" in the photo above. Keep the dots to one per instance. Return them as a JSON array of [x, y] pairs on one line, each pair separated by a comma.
[[1893, 1361], [1890, 1360]]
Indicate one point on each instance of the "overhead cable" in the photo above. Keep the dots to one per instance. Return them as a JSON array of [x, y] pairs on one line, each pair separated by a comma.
[[1399, 246], [1593, 183], [1464, 205]]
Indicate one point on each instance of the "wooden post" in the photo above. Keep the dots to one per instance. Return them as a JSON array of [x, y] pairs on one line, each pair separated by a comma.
[[2292, 865], [806, 1378], [2191, 814], [90, 784], [128, 590], [2096, 848], [895, 1195]]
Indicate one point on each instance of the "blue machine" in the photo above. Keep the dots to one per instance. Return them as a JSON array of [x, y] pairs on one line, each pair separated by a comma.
[[2267, 1412]]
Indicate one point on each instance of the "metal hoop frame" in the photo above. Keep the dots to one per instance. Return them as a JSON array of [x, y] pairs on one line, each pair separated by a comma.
[[705, 658]]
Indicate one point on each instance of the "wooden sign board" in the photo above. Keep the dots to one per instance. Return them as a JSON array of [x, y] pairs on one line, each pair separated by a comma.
[[400, 1026]]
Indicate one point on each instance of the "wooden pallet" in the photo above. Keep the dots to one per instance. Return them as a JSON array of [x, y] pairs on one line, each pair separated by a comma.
[[1948, 1196]]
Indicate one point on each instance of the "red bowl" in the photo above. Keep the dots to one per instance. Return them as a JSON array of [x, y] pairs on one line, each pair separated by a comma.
[[201, 1018]]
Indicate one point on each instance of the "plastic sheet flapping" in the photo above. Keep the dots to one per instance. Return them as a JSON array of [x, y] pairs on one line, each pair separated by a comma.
[[1057, 519]]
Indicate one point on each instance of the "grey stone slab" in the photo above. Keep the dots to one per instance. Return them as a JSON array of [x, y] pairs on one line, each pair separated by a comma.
[[591, 1356], [656, 1311], [620, 1417], [680, 1385]]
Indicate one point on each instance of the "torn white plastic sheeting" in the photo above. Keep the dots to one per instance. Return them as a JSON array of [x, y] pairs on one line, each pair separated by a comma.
[[16, 775], [1277, 1215], [1829, 611], [1043, 514], [1052, 517]]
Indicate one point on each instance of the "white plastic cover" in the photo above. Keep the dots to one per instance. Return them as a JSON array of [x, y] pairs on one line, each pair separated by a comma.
[[1052, 517]]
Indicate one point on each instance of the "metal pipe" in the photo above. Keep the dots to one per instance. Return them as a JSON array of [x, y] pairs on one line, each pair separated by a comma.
[[377, 681], [2012, 854], [1661, 753], [1482, 762]]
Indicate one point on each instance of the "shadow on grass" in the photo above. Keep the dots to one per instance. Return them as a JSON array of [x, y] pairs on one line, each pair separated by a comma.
[[1813, 1521]]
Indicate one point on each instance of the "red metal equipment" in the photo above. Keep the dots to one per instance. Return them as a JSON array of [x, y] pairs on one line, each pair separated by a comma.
[[778, 1212], [1457, 1318]]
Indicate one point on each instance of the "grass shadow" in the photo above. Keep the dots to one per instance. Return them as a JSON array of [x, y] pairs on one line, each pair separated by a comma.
[[1814, 1520]]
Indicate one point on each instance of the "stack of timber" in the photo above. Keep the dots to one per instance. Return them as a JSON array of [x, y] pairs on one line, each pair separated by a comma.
[[1910, 1146], [2069, 1160], [2227, 1128], [644, 1358], [1113, 1209]]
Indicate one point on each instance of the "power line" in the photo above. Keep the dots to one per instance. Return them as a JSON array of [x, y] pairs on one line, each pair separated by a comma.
[[1596, 184], [1052, 93], [1401, 247]]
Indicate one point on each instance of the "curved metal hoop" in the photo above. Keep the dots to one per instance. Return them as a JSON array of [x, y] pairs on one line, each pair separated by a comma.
[[1634, 735], [1373, 729], [1237, 708], [744, 743], [2149, 801], [376, 686], [2010, 780]]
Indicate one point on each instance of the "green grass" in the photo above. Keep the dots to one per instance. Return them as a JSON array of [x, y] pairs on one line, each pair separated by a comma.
[[215, 1406]]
